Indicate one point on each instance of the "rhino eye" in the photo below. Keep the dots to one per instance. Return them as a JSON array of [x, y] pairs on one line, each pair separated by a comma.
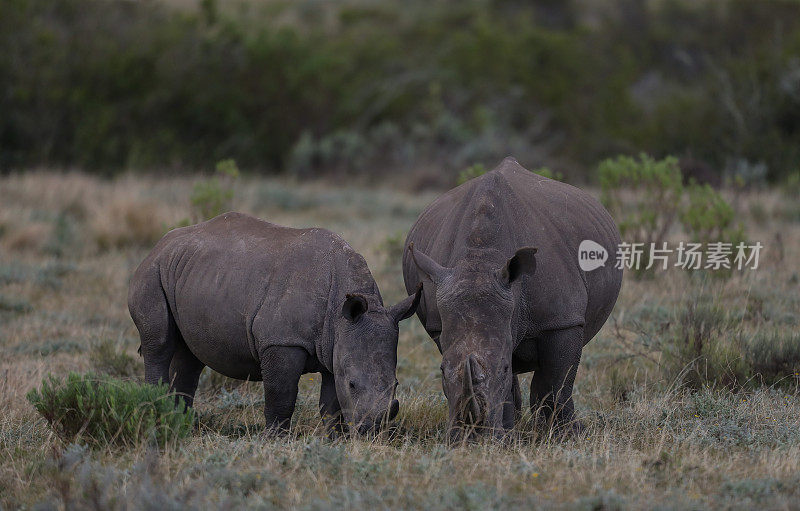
[[505, 369], [352, 385]]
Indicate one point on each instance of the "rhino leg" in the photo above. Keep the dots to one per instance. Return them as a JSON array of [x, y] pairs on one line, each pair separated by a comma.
[[281, 368], [559, 352], [513, 406], [329, 407], [157, 329], [184, 374]]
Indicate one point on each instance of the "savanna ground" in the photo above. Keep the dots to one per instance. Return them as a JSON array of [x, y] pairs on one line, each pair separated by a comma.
[[663, 430]]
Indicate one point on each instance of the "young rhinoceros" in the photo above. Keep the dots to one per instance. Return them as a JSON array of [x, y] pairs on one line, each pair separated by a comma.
[[257, 301]]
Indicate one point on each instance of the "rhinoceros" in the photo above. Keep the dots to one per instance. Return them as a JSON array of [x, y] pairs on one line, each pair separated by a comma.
[[508, 293], [257, 301]]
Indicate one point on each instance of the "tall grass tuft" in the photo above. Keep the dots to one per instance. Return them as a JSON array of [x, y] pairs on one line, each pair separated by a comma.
[[101, 410]]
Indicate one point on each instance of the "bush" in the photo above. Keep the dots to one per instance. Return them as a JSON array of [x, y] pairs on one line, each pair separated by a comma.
[[546, 172], [471, 172], [293, 85], [708, 217], [646, 196], [101, 410], [215, 196], [647, 214]]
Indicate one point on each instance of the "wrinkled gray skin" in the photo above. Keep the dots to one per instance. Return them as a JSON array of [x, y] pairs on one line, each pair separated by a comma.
[[257, 301], [508, 295]]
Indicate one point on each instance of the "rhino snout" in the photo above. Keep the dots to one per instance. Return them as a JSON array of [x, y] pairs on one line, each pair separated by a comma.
[[374, 425]]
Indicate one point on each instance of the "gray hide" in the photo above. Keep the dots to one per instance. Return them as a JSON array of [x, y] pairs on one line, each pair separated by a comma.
[[508, 295], [258, 301]]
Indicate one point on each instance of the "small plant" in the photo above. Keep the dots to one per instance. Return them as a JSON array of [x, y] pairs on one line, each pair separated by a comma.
[[101, 410], [708, 217], [214, 196], [471, 172]]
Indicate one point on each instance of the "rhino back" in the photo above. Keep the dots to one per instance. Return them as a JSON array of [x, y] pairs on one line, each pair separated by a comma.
[[509, 208], [221, 275]]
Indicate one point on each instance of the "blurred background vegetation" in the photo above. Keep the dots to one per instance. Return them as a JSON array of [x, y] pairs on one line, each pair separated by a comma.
[[377, 88]]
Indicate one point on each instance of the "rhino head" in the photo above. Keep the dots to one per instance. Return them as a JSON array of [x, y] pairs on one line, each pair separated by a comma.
[[365, 359], [475, 300]]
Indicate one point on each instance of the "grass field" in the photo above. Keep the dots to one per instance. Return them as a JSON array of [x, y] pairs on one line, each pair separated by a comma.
[[664, 430]]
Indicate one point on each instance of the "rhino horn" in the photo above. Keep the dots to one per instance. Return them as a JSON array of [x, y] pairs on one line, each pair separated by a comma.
[[434, 271], [469, 389]]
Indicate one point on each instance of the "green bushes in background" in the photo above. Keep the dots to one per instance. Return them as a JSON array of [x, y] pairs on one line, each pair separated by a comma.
[[647, 196], [102, 410], [367, 87], [643, 194], [214, 196]]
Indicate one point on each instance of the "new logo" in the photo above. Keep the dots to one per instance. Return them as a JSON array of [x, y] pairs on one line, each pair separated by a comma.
[[591, 255]]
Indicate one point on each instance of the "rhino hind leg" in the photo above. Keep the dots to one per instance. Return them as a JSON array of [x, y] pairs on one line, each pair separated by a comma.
[[184, 374], [559, 352], [157, 329], [281, 368]]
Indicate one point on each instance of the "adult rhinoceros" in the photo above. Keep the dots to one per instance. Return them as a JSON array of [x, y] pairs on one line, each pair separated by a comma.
[[254, 300], [509, 295]]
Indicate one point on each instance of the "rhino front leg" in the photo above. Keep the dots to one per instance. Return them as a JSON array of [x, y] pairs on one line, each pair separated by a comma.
[[281, 368], [558, 352], [513, 406], [329, 407]]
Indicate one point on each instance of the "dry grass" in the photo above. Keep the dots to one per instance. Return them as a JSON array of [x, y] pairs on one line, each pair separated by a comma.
[[650, 443]]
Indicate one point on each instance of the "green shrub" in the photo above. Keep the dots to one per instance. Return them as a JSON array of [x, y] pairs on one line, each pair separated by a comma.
[[214, 196], [471, 172], [100, 410], [643, 194], [158, 86], [707, 216], [646, 196], [546, 172]]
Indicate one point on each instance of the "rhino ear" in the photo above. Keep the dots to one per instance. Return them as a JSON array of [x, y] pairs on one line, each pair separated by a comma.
[[522, 263], [433, 270], [407, 307], [354, 307]]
